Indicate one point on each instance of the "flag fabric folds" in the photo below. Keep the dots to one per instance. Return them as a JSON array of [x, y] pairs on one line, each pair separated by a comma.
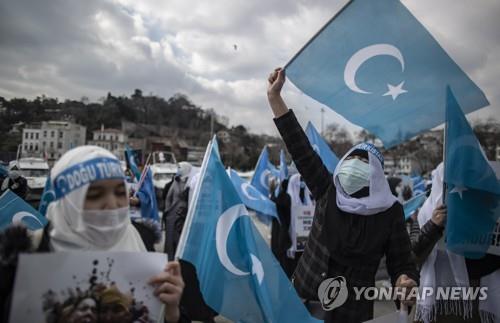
[[378, 67], [328, 157], [14, 210], [410, 206], [239, 276], [131, 163], [264, 170], [147, 197], [251, 197], [473, 189]]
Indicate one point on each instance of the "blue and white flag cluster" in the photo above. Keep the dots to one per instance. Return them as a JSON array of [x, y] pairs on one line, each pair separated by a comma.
[[239, 276]]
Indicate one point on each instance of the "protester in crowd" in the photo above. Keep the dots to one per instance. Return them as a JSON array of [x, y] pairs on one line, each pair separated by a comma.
[[15, 182], [280, 234], [91, 214], [442, 268], [176, 205], [357, 219]]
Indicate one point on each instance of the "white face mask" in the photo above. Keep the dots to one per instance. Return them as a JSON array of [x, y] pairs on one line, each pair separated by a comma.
[[353, 175], [105, 227]]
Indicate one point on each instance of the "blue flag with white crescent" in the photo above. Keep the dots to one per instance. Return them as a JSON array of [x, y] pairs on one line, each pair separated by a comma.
[[418, 185], [239, 276], [412, 205], [147, 197], [251, 197], [329, 159], [473, 188], [264, 170], [131, 163], [378, 67], [14, 210]]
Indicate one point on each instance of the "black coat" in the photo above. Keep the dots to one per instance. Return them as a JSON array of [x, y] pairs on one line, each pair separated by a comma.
[[343, 244]]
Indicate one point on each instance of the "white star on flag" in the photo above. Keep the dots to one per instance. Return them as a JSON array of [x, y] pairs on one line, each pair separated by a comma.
[[459, 190], [395, 91]]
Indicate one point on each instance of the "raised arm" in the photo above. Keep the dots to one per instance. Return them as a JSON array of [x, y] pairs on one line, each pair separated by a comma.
[[306, 160]]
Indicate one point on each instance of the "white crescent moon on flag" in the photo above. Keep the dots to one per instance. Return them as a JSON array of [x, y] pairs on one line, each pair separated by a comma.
[[19, 216], [264, 181], [224, 225], [364, 54], [246, 188]]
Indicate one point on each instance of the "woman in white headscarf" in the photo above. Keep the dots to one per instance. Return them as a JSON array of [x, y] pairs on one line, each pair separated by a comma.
[[443, 268], [357, 221], [88, 210]]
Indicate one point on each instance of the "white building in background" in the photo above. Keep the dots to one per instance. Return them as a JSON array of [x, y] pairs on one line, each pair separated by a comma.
[[51, 139], [497, 155], [111, 139]]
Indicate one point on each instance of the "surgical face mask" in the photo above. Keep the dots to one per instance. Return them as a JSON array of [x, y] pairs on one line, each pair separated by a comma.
[[105, 227], [353, 175]]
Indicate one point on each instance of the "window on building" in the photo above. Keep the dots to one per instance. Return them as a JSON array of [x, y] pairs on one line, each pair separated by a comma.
[[31, 147], [36, 135], [45, 133], [59, 145], [31, 135], [26, 135], [25, 146], [44, 144], [60, 134], [51, 144], [51, 155], [36, 147], [52, 134]]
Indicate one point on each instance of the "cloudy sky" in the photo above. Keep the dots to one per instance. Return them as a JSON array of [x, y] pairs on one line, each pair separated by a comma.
[[218, 52]]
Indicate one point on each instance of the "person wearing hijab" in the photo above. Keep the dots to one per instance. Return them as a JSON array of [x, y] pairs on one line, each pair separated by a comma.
[[443, 268], [90, 211], [357, 220]]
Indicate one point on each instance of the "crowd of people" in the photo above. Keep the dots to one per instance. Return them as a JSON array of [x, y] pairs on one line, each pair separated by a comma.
[[358, 220]]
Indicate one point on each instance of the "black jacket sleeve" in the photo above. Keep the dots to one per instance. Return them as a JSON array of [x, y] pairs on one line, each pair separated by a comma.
[[398, 250], [307, 161], [424, 240]]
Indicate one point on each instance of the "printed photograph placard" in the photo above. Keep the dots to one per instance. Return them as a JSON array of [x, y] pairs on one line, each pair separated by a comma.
[[86, 287]]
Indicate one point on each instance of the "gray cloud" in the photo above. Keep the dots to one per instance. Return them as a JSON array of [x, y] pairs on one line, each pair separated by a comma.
[[71, 49]]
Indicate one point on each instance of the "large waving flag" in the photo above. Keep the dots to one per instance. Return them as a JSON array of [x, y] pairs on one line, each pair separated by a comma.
[[251, 197], [473, 189], [330, 160], [377, 66], [264, 170], [131, 163], [14, 210], [239, 276]]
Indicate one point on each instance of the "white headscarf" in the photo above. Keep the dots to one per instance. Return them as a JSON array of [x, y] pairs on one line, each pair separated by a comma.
[[69, 232], [380, 197], [445, 268], [293, 190]]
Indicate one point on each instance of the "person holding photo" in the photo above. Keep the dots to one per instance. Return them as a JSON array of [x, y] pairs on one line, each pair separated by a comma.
[[90, 212]]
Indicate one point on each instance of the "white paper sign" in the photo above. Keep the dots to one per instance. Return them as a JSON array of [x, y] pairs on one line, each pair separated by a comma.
[[300, 225], [86, 287]]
